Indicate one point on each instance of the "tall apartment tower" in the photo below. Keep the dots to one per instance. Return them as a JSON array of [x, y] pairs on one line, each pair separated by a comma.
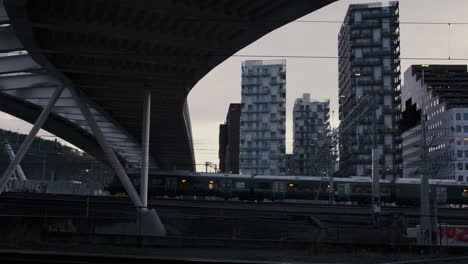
[[369, 90], [439, 94], [263, 117], [229, 137], [311, 128]]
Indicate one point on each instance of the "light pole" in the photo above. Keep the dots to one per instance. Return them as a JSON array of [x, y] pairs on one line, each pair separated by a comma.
[[425, 221], [357, 75], [376, 201]]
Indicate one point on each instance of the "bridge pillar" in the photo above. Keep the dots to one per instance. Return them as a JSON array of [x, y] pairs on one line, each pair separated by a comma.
[[149, 217], [145, 147], [30, 137]]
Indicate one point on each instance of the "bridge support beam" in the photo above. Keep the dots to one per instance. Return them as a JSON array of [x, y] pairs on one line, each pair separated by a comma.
[[30, 137], [149, 220], [12, 155], [145, 147]]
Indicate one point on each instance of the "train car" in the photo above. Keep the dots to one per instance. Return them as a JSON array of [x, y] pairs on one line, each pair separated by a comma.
[[265, 187], [444, 191], [359, 189], [172, 184]]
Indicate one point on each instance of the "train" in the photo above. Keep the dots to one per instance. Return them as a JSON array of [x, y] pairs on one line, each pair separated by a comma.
[[403, 191]]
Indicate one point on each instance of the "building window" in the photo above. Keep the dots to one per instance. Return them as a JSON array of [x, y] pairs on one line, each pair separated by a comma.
[[465, 129], [460, 166], [466, 166], [458, 116], [465, 116], [460, 153], [459, 129], [460, 178], [459, 141]]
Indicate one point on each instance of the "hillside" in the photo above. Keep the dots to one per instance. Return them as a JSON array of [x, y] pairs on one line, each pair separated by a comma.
[[51, 160]]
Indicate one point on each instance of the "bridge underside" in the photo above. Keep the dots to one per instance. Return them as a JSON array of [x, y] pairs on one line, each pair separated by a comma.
[[113, 50]]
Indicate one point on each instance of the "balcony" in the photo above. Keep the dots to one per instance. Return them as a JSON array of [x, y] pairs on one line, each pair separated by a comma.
[[256, 100], [366, 62], [255, 148], [365, 42], [378, 14], [277, 82], [277, 101], [365, 24], [277, 119], [256, 111], [254, 129], [250, 156], [255, 74], [245, 119], [261, 92], [361, 34]]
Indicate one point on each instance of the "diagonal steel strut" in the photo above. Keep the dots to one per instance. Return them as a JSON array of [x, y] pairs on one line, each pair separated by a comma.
[[30, 138]]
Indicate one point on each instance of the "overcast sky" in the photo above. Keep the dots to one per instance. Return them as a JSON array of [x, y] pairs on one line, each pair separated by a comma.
[[315, 76]]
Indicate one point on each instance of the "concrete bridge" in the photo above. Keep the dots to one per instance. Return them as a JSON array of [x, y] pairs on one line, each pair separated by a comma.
[[112, 76]]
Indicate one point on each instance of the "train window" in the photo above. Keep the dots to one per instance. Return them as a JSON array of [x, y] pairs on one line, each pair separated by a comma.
[[157, 181], [210, 185], [263, 185], [239, 185], [385, 190], [279, 187]]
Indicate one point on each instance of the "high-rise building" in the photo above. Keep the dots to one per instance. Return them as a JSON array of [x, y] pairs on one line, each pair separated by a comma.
[[229, 137], [311, 128], [222, 147], [369, 90], [439, 94], [263, 117]]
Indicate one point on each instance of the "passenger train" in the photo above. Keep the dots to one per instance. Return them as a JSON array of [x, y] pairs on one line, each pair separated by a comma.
[[275, 188]]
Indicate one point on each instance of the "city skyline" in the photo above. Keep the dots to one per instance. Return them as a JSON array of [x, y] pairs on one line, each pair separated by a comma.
[[301, 79], [323, 73]]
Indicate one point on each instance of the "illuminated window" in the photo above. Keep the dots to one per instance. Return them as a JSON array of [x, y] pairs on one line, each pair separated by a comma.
[[183, 181]]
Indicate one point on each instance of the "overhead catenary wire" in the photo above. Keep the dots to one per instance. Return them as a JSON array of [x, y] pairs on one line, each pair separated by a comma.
[[288, 56]]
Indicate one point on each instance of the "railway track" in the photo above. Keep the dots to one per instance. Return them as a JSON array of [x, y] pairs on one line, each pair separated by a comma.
[[40, 204]]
